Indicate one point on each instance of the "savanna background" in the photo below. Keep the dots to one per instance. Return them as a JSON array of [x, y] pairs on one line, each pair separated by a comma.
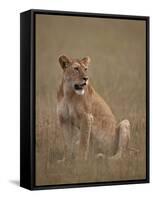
[[117, 72]]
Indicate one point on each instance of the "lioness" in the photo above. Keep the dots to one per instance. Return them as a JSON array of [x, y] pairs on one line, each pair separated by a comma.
[[84, 116]]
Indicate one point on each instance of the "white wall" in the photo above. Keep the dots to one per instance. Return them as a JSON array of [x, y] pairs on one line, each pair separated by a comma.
[[9, 98]]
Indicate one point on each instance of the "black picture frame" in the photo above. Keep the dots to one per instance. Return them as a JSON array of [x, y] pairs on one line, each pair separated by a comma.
[[27, 98]]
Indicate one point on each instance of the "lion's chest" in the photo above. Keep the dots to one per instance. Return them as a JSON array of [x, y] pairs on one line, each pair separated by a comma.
[[66, 112]]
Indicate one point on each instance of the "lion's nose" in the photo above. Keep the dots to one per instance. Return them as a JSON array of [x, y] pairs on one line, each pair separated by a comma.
[[85, 78]]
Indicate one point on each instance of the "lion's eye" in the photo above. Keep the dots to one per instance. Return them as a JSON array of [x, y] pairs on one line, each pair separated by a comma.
[[76, 68], [85, 69]]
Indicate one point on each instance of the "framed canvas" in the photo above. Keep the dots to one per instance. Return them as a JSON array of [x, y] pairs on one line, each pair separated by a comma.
[[84, 99]]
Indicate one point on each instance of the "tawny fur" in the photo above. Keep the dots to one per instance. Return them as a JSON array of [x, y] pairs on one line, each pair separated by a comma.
[[84, 116]]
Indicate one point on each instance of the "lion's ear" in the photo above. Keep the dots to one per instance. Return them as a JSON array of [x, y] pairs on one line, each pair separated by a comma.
[[64, 61], [86, 61]]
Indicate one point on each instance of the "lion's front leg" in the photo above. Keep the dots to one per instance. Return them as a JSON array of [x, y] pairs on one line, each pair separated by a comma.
[[67, 140], [70, 136], [85, 130]]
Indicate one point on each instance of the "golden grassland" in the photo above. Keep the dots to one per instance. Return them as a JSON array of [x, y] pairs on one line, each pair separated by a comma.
[[49, 144], [117, 72]]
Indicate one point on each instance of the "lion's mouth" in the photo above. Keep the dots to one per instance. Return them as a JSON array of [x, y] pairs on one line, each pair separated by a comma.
[[79, 86]]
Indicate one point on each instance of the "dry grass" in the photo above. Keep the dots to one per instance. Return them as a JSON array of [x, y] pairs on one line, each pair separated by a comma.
[[49, 148], [117, 73]]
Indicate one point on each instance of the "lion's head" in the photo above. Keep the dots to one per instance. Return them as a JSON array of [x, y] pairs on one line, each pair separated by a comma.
[[75, 73]]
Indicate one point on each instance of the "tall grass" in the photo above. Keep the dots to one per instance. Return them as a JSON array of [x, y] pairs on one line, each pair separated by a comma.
[[117, 72], [49, 149]]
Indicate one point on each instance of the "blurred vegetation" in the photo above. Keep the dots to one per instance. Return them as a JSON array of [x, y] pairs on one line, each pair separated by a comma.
[[117, 72]]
